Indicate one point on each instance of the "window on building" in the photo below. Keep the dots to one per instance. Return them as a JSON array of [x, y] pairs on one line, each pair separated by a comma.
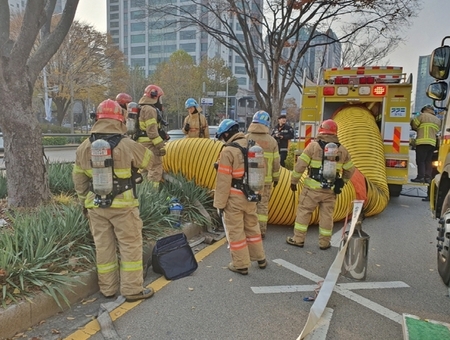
[[155, 61], [170, 48], [114, 16], [113, 1], [114, 24], [137, 15], [125, 40], [155, 49], [137, 3], [138, 38], [187, 35], [116, 41], [137, 50], [204, 47], [114, 32], [188, 47], [242, 81], [137, 62], [170, 36], [125, 51], [239, 70], [191, 9], [238, 60], [114, 8], [137, 26]]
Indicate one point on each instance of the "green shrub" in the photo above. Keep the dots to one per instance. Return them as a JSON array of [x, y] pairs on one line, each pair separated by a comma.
[[290, 158], [55, 140], [50, 128], [60, 178]]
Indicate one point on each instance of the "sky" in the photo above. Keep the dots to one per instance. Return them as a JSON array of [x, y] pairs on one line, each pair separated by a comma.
[[421, 38]]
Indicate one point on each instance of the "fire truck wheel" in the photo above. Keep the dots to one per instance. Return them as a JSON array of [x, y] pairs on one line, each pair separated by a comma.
[[394, 190], [443, 254]]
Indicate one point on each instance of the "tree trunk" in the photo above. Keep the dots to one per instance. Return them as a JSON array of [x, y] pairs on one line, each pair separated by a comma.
[[26, 173]]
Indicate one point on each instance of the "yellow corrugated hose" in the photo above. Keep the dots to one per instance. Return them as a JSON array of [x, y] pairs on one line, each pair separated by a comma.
[[194, 158]]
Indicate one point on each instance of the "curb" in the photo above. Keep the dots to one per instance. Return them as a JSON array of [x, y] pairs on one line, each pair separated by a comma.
[[26, 314]]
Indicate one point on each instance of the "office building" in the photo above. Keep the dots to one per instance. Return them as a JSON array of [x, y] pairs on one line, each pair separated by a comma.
[[19, 5], [423, 80]]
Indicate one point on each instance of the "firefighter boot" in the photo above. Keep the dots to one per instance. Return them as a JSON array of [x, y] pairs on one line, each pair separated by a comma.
[[324, 242], [297, 240], [242, 271], [145, 294]]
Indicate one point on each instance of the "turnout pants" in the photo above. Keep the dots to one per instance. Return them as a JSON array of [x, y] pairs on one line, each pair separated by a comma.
[[242, 230], [262, 208], [125, 225], [309, 200], [154, 170]]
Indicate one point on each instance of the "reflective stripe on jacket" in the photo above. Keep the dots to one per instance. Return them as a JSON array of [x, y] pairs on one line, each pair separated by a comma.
[[260, 134], [312, 158], [427, 126], [126, 154], [230, 166]]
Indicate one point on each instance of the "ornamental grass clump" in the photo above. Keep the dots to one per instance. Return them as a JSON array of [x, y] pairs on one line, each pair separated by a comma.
[[44, 250]]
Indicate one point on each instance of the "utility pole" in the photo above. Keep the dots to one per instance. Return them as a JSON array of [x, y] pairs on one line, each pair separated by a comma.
[[226, 100]]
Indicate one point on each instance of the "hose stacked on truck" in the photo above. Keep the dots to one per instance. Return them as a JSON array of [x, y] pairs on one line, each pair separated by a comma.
[[194, 158]]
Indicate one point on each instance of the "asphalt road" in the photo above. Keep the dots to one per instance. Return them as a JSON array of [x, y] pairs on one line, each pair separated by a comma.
[[214, 303]]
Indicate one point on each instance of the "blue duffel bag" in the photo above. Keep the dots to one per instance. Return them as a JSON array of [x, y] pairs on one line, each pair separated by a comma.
[[173, 257]]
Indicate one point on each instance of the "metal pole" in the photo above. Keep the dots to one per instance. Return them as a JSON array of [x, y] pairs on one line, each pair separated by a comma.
[[71, 108], [226, 102]]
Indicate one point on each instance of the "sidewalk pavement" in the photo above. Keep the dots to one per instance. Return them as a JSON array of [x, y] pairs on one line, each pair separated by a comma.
[[21, 316]]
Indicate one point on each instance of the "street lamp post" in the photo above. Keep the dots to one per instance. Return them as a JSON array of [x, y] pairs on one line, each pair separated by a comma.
[[226, 101]]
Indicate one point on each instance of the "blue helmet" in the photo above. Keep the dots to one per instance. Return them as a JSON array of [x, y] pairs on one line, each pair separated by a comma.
[[261, 117], [190, 102], [225, 126]]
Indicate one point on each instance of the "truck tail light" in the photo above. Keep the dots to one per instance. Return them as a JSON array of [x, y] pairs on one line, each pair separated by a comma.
[[328, 91], [396, 163]]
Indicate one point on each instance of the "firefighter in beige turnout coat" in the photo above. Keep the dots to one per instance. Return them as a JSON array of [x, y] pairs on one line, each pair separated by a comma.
[[195, 124], [120, 221], [313, 193], [238, 214], [149, 135], [259, 132]]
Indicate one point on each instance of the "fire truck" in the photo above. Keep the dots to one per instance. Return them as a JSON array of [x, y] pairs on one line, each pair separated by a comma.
[[384, 90], [440, 185]]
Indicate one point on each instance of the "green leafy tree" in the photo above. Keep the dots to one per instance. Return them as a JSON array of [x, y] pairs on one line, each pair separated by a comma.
[[21, 62]]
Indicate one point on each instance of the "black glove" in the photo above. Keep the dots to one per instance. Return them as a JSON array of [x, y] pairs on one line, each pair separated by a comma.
[[85, 212], [338, 185], [187, 127], [294, 187], [275, 183]]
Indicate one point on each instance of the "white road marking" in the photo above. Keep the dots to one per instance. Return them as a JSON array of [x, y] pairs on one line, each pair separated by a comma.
[[344, 289], [321, 330]]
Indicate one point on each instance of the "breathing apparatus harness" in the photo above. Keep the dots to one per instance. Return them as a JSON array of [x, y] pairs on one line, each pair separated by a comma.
[[327, 175], [246, 184], [105, 184], [159, 120]]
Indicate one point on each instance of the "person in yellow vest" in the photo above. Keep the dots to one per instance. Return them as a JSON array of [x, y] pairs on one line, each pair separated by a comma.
[[427, 125], [195, 124], [323, 183], [259, 132], [114, 218]]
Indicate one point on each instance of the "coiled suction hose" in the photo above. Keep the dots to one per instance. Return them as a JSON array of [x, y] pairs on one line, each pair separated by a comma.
[[194, 158]]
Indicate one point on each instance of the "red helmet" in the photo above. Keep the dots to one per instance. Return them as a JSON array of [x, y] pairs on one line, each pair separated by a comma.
[[153, 91], [123, 99], [328, 127], [109, 109]]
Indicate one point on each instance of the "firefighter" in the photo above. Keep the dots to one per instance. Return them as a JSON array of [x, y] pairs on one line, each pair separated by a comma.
[[320, 187], [259, 132], [237, 212], [124, 99], [283, 133], [114, 218], [195, 124], [148, 134], [427, 126]]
